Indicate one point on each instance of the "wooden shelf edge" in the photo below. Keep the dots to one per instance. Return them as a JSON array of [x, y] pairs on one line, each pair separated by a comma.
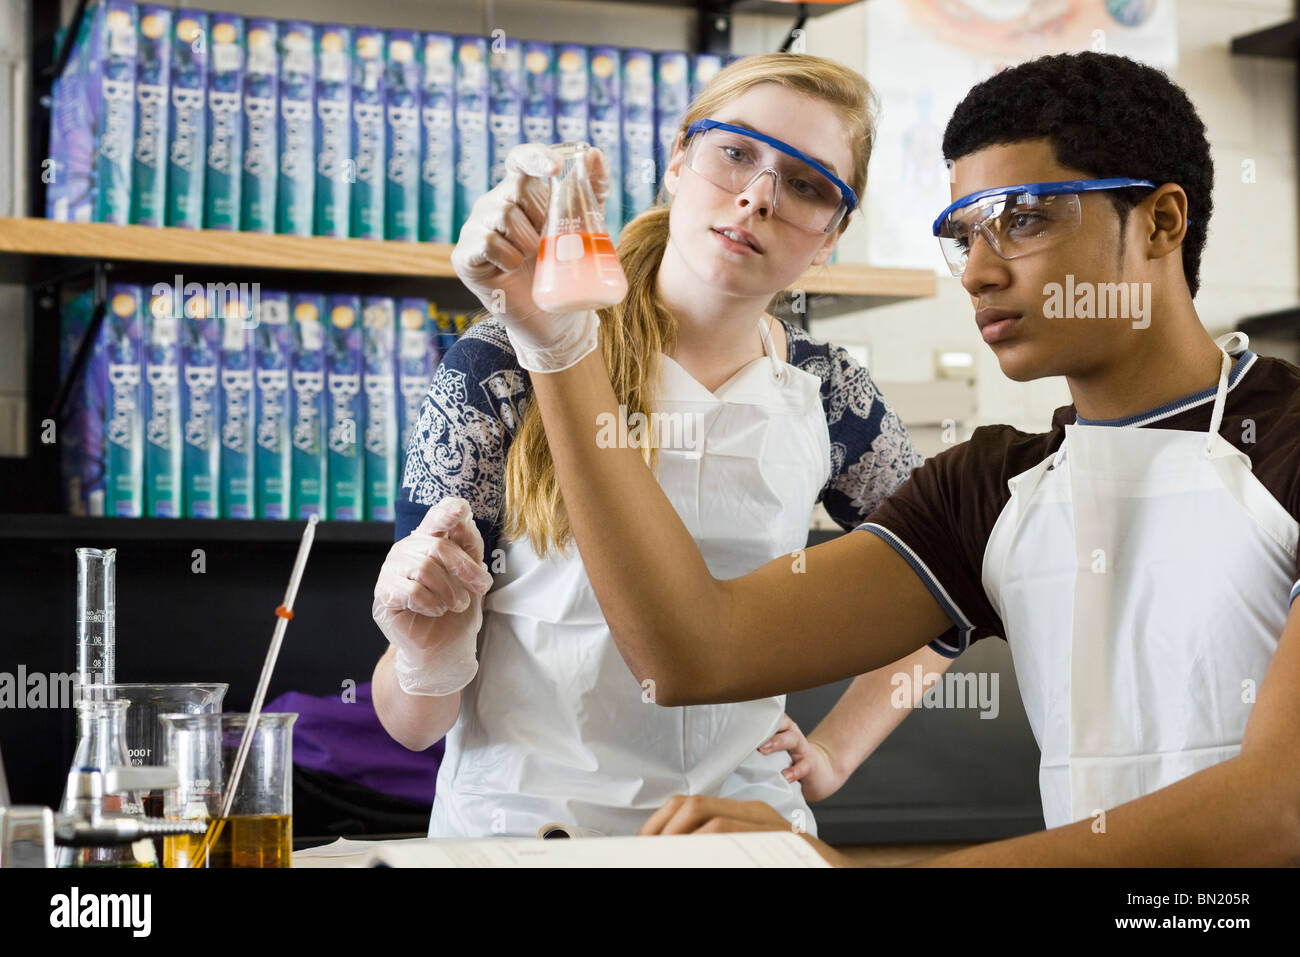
[[206, 247], [42, 237]]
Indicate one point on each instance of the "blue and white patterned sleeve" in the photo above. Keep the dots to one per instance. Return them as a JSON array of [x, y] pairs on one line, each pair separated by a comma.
[[467, 421], [871, 452]]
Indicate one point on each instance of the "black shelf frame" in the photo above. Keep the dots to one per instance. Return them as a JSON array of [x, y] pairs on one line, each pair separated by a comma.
[[1280, 41], [1283, 324], [83, 529]]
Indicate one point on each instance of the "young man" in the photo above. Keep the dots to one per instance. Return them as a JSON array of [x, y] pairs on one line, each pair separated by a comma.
[[1140, 556]]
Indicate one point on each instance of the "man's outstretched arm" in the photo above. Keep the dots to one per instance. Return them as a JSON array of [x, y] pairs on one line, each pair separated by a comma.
[[833, 611]]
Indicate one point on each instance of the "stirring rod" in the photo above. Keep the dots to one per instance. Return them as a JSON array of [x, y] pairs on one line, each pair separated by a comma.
[[283, 614]]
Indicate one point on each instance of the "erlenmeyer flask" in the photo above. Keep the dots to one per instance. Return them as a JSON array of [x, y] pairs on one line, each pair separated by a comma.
[[101, 744], [577, 267]]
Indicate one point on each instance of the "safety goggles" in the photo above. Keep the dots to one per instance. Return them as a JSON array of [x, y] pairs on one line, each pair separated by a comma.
[[804, 192], [1017, 220]]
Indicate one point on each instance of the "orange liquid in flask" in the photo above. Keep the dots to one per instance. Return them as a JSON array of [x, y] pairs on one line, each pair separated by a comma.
[[577, 271]]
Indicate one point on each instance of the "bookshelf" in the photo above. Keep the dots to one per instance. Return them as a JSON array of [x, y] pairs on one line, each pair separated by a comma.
[[31, 250]]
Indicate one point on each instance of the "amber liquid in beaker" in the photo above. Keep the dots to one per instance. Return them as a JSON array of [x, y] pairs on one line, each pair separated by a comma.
[[153, 807], [255, 840]]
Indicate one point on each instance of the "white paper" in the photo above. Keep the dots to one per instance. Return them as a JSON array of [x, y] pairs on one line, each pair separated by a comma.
[[751, 849]]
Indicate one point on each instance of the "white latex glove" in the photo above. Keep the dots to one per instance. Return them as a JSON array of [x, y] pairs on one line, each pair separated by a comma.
[[429, 600], [496, 256]]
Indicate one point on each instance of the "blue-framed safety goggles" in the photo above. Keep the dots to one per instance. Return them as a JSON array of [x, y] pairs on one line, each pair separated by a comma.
[[1018, 220], [806, 194]]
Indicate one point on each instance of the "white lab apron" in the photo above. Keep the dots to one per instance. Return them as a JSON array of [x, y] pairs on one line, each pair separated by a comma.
[[1142, 576], [555, 728]]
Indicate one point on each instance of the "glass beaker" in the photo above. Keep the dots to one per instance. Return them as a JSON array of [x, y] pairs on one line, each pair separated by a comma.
[[143, 732], [101, 744], [577, 268], [96, 614], [259, 830]]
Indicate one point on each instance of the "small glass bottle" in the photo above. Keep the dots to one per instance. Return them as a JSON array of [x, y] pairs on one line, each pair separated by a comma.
[[101, 744], [577, 268]]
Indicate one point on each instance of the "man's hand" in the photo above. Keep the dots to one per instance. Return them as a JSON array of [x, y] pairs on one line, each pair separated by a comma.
[[695, 814]]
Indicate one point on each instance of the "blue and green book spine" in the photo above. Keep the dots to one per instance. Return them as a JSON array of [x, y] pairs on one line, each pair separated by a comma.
[[152, 88], [259, 173], [223, 177], [187, 120], [402, 122], [344, 464], [295, 206]]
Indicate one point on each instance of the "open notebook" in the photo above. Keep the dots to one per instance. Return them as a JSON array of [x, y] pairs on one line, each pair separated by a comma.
[[750, 849]]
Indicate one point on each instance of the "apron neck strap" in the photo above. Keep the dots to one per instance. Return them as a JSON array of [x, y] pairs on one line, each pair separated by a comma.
[[1220, 399], [769, 348]]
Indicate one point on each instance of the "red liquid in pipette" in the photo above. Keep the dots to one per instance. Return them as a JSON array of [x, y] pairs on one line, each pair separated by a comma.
[[577, 271]]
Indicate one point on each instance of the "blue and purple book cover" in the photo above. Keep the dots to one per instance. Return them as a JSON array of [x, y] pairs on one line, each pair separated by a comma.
[[638, 132], [114, 375], [295, 206], [152, 88], [272, 362], [92, 120], [260, 169], [346, 498], [187, 120], [539, 93], [200, 407], [307, 407], [223, 175], [238, 496], [472, 172], [505, 103], [368, 133], [162, 405], [402, 127], [417, 358], [335, 166], [437, 145], [605, 125], [379, 372]]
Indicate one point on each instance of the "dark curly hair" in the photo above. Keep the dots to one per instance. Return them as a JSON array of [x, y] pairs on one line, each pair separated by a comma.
[[1106, 115]]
